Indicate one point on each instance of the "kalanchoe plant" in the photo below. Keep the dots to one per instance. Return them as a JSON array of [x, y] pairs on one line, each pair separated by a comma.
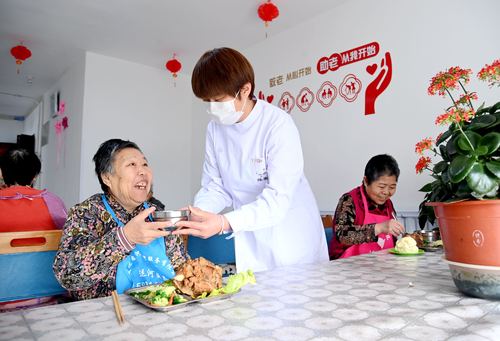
[[469, 149]]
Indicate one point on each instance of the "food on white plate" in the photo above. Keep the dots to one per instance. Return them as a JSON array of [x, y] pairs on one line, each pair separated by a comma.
[[407, 245], [198, 276]]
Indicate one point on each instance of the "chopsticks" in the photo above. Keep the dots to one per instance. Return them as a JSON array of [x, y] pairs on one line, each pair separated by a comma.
[[396, 218], [118, 308]]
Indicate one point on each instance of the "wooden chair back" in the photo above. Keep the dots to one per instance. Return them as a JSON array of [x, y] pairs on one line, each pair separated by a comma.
[[27, 270], [328, 226], [50, 241]]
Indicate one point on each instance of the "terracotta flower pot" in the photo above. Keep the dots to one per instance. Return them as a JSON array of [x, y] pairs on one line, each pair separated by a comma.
[[470, 231]]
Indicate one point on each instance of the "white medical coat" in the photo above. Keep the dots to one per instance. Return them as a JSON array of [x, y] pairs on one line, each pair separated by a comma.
[[256, 166]]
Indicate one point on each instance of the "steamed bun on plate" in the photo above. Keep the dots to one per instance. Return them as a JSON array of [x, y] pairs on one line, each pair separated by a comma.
[[406, 245]]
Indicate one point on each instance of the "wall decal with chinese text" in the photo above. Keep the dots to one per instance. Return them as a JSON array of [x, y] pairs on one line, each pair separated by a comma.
[[305, 99], [326, 93], [278, 80], [336, 60], [350, 88], [379, 84], [287, 102]]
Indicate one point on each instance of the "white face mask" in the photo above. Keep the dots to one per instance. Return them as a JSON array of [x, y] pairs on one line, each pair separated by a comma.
[[225, 112]]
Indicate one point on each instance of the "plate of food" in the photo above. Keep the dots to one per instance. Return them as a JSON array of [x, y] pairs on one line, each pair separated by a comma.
[[427, 240], [398, 253], [434, 246], [406, 246], [197, 281]]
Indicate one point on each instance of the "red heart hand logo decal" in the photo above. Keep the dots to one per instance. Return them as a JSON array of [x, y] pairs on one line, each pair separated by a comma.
[[371, 69], [261, 95], [270, 98]]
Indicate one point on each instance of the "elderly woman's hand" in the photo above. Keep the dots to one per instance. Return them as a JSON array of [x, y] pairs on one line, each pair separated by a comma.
[[202, 224], [140, 231], [392, 227]]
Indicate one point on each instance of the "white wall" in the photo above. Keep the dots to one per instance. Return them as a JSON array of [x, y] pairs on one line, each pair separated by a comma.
[[423, 37], [62, 178], [138, 103], [198, 128], [31, 122], [32, 125], [9, 129]]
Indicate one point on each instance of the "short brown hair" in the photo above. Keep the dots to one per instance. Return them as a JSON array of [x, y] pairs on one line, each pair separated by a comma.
[[221, 71]]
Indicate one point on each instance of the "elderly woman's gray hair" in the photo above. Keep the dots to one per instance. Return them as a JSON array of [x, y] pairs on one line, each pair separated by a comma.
[[105, 157]]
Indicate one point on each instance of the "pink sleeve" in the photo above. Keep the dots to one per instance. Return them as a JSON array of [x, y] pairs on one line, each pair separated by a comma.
[[56, 208]]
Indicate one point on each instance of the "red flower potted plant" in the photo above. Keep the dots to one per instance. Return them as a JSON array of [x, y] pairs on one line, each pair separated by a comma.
[[464, 193]]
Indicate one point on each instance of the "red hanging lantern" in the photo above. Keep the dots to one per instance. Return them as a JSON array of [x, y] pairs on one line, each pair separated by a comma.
[[174, 66], [21, 53], [268, 11]]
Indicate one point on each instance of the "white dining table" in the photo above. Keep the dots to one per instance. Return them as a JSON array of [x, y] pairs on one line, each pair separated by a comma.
[[379, 296]]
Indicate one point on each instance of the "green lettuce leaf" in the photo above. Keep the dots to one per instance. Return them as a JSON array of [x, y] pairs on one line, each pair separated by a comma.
[[237, 281]]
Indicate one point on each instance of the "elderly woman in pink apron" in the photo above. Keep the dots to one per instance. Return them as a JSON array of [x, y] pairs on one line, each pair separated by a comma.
[[363, 221]]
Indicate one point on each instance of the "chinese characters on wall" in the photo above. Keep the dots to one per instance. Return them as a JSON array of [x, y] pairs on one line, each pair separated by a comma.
[[347, 86], [278, 80]]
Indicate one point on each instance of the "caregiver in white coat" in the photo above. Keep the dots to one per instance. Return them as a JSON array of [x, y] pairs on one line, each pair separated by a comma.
[[254, 163]]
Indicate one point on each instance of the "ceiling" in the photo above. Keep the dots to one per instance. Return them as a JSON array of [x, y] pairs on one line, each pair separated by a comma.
[[142, 31]]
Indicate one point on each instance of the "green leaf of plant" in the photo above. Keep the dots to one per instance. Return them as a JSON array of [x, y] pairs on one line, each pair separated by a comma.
[[480, 181], [451, 149], [491, 142], [493, 193], [481, 151], [463, 190], [426, 188], [443, 137], [445, 178], [440, 167], [464, 145], [481, 108], [494, 167], [444, 153], [497, 116], [460, 167], [494, 107], [481, 121]]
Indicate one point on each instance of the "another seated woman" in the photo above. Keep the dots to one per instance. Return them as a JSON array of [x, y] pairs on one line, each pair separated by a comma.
[[363, 221], [24, 208], [108, 241]]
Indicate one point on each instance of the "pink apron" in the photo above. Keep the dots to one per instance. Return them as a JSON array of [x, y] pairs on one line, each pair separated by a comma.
[[385, 241]]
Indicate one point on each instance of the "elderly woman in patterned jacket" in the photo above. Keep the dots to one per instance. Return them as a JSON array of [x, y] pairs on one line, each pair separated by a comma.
[[109, 241]]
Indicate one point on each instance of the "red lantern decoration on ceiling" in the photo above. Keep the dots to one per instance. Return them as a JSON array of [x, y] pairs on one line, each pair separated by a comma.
[[268, 12], [20, 53], [174, 66]]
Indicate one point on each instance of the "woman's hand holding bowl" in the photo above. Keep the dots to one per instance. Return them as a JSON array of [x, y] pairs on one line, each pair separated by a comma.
[[143, 232]]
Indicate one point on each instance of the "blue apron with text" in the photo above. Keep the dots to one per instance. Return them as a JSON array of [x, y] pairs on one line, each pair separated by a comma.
[[145, 265]]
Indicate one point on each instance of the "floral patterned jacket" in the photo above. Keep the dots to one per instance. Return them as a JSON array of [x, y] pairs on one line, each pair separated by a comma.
[[92, 245]]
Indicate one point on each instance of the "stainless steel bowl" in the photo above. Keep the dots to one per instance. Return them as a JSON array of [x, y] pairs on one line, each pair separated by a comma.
[[172, 216], [429, 236]]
